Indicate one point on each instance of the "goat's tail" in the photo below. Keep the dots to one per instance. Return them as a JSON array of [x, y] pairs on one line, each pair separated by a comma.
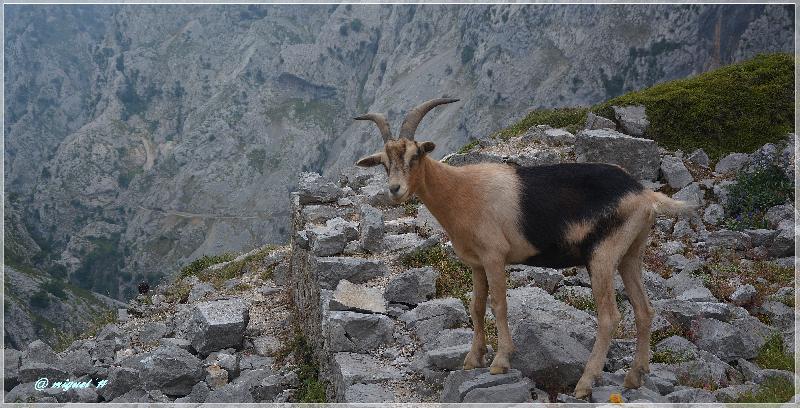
[[665, 205]]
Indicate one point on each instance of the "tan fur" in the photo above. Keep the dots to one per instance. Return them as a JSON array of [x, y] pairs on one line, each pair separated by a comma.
[[577, 231]]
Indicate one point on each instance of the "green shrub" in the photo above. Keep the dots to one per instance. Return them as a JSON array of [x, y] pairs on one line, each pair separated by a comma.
[[40, 300], [736, 108], [753, 193], [774, 389], [773, 355], [56, 288]]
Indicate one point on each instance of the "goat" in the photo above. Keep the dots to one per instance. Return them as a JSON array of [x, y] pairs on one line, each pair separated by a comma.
[[573, 214]]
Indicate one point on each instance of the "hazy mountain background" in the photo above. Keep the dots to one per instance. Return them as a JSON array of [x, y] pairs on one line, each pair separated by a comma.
[[138, 137]]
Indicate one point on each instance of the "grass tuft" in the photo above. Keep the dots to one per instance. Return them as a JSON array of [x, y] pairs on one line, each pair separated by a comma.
[[773, 355], [572, 119], [455, 278]]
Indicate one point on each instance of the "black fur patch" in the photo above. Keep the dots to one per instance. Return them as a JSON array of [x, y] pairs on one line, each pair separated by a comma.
[[555, 196]]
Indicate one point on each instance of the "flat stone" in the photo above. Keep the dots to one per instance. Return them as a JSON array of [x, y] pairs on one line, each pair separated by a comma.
[[448, 358], [358, 298], [460, 383], [734, 240], [638, 156], [357, 332], [352, 368], [330, 270], [517, 392], [368, 393]]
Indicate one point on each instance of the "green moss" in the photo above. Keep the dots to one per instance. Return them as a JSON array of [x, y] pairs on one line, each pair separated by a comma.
[[668, 357], [736, 108], [455, 278], [773, 355], [571, 119], [774, 389], [753, 193], [467, 147]]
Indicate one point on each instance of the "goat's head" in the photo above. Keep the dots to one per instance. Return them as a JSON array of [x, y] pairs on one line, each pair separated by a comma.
[[401, 156]]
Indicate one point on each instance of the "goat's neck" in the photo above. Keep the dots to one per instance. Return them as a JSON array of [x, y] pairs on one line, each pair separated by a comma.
[[438, 186]]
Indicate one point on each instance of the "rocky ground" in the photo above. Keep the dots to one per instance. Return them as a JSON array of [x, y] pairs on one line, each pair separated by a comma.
[[367, 304]]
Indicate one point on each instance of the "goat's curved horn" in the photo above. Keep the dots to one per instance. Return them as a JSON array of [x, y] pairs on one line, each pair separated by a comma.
[[380, 120], [410, 123]]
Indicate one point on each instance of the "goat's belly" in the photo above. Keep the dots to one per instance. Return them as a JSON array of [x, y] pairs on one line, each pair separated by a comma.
[[555, 259]]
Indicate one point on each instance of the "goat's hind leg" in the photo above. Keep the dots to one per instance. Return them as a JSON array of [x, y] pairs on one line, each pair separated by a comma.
[[480, 289], [602, 274], [631, 271]]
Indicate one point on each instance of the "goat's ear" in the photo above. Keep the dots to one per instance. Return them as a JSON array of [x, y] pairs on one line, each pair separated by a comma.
[[427, 147], [370, 161]]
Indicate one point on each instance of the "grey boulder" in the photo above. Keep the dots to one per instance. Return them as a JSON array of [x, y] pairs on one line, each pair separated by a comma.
[[638, 156], [217, 324], [412, 287], [632, 119]]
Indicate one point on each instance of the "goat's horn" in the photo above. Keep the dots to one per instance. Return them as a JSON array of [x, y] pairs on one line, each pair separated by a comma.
[[380, 120], [415, 116]]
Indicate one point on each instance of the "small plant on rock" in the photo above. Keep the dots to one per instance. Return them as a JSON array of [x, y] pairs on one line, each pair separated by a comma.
[[753, 193]]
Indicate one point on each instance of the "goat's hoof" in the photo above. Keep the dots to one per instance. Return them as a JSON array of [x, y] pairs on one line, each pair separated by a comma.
[[498, 370], [634, 378], [471, 362], [582, 392]]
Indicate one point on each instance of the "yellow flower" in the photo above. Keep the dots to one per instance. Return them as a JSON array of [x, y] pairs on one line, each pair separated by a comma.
[[615, 398]]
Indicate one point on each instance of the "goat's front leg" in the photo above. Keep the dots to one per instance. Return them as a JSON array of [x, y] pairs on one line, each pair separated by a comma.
[[496, 275], [480, 290]]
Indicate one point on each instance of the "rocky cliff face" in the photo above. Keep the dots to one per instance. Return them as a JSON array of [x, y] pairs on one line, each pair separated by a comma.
[[141, 137]]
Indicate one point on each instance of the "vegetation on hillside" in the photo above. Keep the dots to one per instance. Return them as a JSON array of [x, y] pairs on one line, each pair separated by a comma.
[[736, 108], [753, 193]]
